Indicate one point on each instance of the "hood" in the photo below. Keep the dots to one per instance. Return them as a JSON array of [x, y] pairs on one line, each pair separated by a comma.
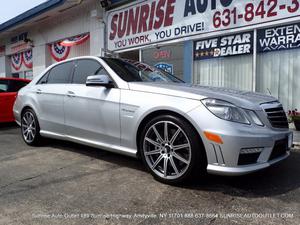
[[244, 99]]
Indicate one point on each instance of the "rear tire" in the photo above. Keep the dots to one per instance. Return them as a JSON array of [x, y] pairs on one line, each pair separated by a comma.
[[172, 150], [30, 128]]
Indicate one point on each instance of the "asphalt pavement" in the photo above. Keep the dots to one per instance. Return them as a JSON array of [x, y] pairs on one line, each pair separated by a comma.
[[66, 183]]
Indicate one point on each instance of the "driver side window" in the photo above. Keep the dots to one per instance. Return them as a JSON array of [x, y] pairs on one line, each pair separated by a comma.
[[85, 68]]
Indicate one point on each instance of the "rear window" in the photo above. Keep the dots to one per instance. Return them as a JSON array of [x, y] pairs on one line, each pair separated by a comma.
[[11, 85], [3, 86], [16, 85]]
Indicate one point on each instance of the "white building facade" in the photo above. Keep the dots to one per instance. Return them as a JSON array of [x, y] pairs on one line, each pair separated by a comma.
[[251, 45], [49, 33]]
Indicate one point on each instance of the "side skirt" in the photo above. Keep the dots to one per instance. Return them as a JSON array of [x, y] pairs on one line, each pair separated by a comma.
[[108, 147]]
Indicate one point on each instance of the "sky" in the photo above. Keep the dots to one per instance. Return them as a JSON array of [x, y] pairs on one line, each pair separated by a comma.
[[12, 8]]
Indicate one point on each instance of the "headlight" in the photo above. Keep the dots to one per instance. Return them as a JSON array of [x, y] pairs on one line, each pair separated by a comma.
[[226, 111], [254, 117]]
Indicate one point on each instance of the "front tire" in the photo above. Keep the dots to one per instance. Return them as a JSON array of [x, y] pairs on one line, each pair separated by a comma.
[[30, 128], [171, 149]]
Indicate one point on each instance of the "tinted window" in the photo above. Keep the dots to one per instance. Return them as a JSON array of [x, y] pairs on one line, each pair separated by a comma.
[[11, 85], [85, 68], [3, 86], [60, 74], [44, 79], [16, 85]]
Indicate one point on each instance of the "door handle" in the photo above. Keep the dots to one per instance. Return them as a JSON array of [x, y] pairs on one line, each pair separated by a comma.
[[39, 91], [71, 94]]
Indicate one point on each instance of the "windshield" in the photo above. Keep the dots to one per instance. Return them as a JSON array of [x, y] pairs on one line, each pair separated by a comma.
[[132, 71]]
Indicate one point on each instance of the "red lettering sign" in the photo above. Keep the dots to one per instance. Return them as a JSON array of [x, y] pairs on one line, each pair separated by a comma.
[[162, 54], [142, 18]]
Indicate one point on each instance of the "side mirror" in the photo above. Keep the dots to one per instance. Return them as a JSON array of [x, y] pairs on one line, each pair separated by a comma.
[[99, 80]]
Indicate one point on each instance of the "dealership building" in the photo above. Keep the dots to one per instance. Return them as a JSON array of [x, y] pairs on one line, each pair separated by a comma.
[[51, 32], [252, 45]]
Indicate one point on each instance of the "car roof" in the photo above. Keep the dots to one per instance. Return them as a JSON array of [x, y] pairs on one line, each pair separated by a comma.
[[12, 78]]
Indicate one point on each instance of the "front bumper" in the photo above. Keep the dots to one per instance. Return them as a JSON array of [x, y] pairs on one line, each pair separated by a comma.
[[242, 170], [225, 159]]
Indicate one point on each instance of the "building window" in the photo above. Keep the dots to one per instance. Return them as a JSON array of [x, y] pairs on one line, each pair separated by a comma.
[[277, 71], [232, 72], [168, 58], [225, 61], [278, 74]]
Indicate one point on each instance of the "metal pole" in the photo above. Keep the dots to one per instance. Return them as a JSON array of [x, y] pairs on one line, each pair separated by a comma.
[[140, 55], [254, 60]]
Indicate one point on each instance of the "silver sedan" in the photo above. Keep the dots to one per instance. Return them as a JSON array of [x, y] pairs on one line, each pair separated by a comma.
[[179, 130]]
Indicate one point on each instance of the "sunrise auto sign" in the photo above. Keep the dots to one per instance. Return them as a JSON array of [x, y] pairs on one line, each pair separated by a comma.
[[153, 21]]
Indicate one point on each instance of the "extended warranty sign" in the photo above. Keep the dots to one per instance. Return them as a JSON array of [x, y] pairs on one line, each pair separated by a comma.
[[278, 38]]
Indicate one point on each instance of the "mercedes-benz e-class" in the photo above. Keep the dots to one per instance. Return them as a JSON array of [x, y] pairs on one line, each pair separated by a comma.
[[177, 129]]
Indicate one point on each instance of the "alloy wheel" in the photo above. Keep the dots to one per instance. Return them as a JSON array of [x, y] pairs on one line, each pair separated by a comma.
[[28, 127], [167, 150]]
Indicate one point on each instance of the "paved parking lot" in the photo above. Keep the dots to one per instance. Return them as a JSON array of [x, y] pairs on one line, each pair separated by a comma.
[[65, 183]]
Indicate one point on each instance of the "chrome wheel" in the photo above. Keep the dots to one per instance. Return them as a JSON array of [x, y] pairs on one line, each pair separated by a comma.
[[28, 127], [167, 150]]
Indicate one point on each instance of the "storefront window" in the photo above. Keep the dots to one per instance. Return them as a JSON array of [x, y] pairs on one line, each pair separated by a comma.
[[233, 72], [225, 61], [278, 74], [168, 58], [278, 63]]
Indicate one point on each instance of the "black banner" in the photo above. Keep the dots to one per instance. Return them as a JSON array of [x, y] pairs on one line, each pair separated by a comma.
[[224, 46], [278, 38]]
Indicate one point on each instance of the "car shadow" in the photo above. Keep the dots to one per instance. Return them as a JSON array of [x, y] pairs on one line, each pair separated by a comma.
[[118, 159], [276, 180], [8, 126]]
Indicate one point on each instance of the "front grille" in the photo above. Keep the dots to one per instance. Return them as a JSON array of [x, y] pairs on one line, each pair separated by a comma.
[[277, 117], [280, 148]]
